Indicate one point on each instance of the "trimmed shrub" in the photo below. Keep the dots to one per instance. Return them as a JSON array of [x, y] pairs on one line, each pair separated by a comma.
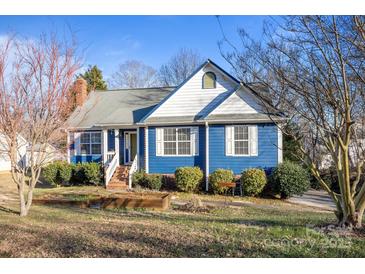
[[188, 178], [57, 173], [289, 179], [139, 178], [86, 173], [153, 181], [220, 176], [78, 174], [93, 174], [169, 182], [253, 181]]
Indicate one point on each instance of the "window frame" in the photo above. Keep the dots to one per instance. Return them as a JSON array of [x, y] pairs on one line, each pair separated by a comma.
[[241, 140], [177, 141], [230, 141], [215, 80], [90, 143]]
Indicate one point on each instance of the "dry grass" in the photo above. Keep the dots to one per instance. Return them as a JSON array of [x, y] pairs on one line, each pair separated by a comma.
[[257, 228]]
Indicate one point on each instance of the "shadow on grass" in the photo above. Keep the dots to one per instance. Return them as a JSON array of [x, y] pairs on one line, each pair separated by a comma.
[[9, 210]]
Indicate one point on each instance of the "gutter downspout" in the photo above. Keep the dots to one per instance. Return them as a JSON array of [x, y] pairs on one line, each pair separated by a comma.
[[206, 156]]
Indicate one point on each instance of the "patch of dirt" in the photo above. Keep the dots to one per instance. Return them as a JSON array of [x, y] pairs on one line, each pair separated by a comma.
[[340, 231], [195, 205]]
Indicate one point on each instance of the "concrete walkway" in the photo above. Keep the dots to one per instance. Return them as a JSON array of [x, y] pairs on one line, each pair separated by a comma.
[[315, 198]]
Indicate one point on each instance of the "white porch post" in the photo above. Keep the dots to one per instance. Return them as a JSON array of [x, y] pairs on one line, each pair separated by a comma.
[[105, 146], [206, 156], [138, 158], [146, 150], [68, 147], [116, 143], [280, 146]]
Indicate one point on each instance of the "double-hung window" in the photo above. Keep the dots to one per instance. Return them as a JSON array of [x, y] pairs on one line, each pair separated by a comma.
[[241, 140], [90, 143], [176, 141]]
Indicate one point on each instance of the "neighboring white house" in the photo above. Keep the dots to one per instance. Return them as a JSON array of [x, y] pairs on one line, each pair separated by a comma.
[[5, 164], [51, 153]]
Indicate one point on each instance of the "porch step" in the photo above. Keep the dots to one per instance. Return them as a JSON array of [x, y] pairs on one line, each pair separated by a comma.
[[116, 186], [120, 178]]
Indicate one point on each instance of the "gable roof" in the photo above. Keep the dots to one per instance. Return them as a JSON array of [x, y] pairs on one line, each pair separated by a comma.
[[116, 107], [243, 104], [127, 107], [205, 105]]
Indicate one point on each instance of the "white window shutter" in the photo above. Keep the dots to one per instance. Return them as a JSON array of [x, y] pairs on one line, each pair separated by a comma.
[[77, 143], [229, 140], [159, 141], [253, 140], [195, 141]]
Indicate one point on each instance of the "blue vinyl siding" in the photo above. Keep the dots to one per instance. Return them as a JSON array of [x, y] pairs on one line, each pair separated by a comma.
[[267, 150], [168, 164], [85, 159], [111, 140], [141, 148]]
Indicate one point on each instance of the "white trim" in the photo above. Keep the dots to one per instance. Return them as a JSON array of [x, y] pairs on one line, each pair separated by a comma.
[[104, 143], [116, 144], [193, 150], [280, 146], [206, 156], [77, 143], [253, 140], [68, 147], [229, 129], [125, 146], [137, 149], [146, 149]]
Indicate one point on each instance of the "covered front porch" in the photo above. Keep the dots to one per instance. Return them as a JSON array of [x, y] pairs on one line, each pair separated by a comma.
[[117, 149], [120, 150]]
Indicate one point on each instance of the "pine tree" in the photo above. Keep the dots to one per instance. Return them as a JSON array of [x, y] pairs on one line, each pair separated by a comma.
[[94, 78]]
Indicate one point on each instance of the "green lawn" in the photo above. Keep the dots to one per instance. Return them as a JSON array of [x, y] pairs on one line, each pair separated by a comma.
[[257, 228]]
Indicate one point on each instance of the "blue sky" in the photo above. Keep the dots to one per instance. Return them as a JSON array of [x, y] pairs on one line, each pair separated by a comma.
[[110, 40]]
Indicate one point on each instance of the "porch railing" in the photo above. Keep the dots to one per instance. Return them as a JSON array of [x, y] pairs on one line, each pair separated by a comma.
[[109, 156], [133, 169], [110, 167]]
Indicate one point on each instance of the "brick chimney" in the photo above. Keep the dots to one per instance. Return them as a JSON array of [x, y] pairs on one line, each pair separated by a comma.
[[80, 89]]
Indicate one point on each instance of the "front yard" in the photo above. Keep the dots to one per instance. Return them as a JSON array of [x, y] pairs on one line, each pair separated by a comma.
[[244, 228]]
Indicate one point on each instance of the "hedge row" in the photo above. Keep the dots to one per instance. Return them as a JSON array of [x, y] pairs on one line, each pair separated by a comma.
[[62, 173], [285, 180]]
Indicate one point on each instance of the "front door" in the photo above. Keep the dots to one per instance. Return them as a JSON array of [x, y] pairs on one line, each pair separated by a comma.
[[130, 147]]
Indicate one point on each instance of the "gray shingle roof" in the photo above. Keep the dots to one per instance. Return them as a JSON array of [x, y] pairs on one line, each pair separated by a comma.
[[116, 107]]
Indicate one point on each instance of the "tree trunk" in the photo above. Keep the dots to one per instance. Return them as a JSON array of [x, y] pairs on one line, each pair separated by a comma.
[[352, 220], [22, 202]]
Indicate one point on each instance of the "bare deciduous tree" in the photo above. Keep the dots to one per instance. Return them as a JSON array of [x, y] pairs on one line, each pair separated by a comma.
[[35, 78], [133, 74], [179, 67], [314, 68]]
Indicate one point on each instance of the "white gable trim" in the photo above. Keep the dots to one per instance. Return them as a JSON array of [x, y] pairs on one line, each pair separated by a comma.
[[208, 62], [253, 107]]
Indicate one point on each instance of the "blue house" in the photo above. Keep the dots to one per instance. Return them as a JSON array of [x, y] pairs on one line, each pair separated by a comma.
[[211, 120]]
